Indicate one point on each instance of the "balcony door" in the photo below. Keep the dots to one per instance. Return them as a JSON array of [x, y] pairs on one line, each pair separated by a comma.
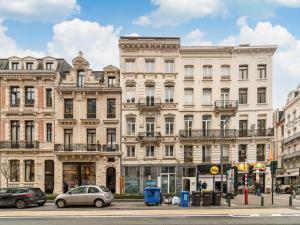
[[188, 124], [68, 139], [29, 134], [150, 96], [243, 126], [111, 139], [15, 134], [206, 125], [150, 126], [225, 96]]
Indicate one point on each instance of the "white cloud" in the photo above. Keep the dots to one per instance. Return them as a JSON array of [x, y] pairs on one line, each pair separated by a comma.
[[172, 13], [132, 35], [195, 37], [8, 46], [99, 44], [38, 10]]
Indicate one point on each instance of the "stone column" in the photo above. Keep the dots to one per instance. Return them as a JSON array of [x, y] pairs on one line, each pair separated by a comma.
[[58, 174]]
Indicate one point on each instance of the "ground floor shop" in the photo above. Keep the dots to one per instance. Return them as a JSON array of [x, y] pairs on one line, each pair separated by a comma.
[[48, 171]]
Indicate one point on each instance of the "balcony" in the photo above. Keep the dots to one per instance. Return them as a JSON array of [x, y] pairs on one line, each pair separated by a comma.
[[225, 159], [149, 104], [77, 148], [188, 158], [205, 159], [19, 145], [291, 138], [29, 102], [111, 115], [68, 115], [110, 148], [149, 137], [260, 158], [226, 106], [291, 155], [90, 116], [208, 134]]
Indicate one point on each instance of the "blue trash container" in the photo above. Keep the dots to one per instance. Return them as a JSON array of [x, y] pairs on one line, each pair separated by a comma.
[[152, 196], [184, 199]]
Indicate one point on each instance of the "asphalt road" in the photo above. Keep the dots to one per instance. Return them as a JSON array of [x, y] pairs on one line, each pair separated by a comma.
[[152, 221]]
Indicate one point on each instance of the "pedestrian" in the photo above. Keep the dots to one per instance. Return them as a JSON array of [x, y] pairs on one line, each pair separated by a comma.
[[200, 185], [204, 185], [277, 188], [65, 187]]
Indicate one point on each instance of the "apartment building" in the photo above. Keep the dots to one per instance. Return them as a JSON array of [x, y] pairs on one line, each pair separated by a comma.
[[290, 155], [59, 123], [176, 100]]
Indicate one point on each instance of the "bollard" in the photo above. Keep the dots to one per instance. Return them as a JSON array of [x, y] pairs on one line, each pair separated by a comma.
[[262, 201], [290, 201]]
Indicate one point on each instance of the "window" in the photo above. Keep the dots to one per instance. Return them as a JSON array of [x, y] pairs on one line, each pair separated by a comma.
[[188, 153], [93, 190], [14, 96], [68, 139], [242, 153], [130, 151], [206, 96], [68, 113], [169, 66], [149, 65], [188, 96], [91, 139], [29, 133], [169, 125], [111, 108], [207, 71], [80, 78], [49, 132], [129, 65], [262, 71], [91, 108], [150, 123], [15, 133], [49, 66], [14, 168], [206, 149], [188, 124], [79, 190], [206, 122], [29, 66], [130, 126], [243, 72], [243, 96], [111, 137], [48, 97], [169, 93], [130, 91], [260, 152], [225, 71], [29, 96], [111, 81], [243, 126], [261, 127], [150, 151], [189, 72], [169, 150], [150, 95], [29, 171], [261, 95], [15, 65]]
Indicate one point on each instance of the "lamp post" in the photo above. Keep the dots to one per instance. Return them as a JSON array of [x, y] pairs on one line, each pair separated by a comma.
[[221, 147]]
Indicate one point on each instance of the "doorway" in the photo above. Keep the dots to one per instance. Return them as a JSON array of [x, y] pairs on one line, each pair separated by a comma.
[[49, 176], [111, 179]]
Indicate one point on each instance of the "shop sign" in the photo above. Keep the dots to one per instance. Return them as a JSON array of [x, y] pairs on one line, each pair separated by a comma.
[[214, 170]]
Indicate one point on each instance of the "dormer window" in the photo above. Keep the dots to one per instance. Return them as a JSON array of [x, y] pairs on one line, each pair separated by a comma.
[[49, 66], [111, 81], [15, 65], [80, 78], [29, 66]]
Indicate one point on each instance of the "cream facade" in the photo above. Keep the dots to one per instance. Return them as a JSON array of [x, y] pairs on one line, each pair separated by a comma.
[[59, 123], [174, 100]]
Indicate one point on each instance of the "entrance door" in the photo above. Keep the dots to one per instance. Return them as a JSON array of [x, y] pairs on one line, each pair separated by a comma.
[[111, 179], [167, 183], [49, 176]]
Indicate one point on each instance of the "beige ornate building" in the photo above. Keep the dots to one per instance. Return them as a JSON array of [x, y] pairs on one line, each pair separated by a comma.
[[175, 99], [59, 123]]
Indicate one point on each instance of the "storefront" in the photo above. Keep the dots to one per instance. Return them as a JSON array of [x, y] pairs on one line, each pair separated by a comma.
[[79, 173]]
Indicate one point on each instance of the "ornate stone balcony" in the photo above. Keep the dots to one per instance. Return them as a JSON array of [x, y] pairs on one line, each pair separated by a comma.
[[149, 137], [226, 106], [149, 104]]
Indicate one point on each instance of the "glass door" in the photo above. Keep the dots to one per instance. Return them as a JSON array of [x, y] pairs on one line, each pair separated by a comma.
[[225, 97], [150, 127], [188, 123], [150, 96]]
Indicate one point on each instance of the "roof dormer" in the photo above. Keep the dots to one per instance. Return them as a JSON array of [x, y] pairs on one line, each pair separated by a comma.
[[30, 63], [14, 63], [80, 63], [49, 63]]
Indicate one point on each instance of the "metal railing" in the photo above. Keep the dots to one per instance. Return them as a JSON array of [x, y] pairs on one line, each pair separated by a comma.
[[111, 115], [68, 115], [91, 115], [188, 158], [77, 147], [149, 102], [110, 148], [19, 145], [225, 159], [226, 104], [29, 102], [149, 136], [205, 159]]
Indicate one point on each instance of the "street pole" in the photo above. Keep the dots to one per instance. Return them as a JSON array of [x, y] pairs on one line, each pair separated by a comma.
[[272, 186], [221, 148], [246, 186]]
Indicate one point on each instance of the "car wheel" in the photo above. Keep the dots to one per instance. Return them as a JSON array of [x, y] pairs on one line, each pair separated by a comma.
[[60, 203], [41, 204], [99, 203], [21, 204]]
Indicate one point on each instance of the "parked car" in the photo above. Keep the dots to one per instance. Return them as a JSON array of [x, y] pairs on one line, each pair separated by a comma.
[[85, 195], [22, 197]]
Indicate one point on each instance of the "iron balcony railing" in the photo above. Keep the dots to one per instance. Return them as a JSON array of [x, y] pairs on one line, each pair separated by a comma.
[[188, 158], [110, 148], [77, 147], [226, 133], [111, 115], [224, 105], [149, 102], [91, 115], [29, 102], [149, 136], [205, 159], [225, 159], [19, 145], [68, 115]]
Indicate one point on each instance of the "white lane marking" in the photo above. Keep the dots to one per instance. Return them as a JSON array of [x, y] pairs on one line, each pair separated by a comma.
[[245, 215]]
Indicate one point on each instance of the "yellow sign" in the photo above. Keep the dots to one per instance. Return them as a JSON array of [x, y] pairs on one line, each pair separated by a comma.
[[214, 170]]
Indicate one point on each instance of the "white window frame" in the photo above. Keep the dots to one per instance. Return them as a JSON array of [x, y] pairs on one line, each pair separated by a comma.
[[169, 148], [169, 66], [150, 151], [129, 65], [131, 150], [189, 71], [131, 122], [149, 65], [207, 99], [188, 96], [130, 94]]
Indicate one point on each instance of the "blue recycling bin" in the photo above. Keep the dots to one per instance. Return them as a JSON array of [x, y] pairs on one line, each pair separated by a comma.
[[184, 199], [152, 195]]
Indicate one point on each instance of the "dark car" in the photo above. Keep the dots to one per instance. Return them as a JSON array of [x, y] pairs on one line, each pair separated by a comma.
[[22, 197]]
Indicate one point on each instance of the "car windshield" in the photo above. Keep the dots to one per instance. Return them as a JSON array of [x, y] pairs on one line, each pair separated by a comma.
[[105, 189]]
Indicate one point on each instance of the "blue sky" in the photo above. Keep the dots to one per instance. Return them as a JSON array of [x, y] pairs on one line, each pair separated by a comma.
[[62, 28]]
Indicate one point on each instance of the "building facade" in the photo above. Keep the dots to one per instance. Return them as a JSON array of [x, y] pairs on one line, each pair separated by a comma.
[[175, 100], [59, 123]]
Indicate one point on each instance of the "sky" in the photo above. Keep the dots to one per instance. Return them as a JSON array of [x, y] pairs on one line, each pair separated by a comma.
[[62, 28]]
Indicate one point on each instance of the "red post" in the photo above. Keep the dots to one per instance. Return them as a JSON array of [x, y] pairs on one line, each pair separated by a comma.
[[246, 188]]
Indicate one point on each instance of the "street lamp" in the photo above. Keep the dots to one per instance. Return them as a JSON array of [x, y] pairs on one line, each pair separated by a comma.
[[221, 146]]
